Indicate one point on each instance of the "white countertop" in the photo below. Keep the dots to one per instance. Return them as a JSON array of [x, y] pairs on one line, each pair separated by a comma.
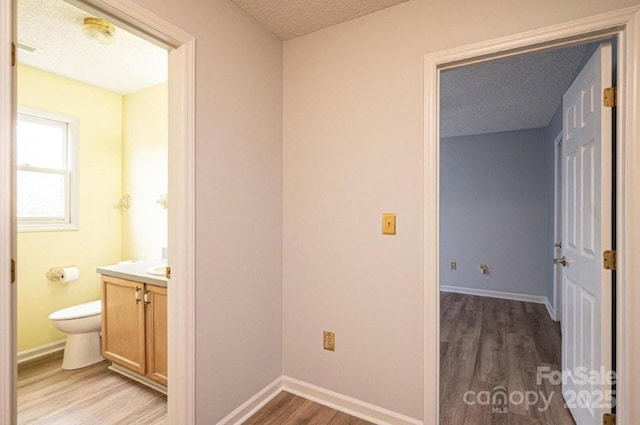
[[136, 271]]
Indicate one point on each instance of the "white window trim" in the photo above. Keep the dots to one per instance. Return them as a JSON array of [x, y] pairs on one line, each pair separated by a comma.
[[72, 221]]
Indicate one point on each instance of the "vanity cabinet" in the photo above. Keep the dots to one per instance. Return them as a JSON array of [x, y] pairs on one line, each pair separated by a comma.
[[134, 326]]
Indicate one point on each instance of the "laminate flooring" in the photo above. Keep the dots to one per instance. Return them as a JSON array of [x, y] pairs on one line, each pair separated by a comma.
[[492, 346], [289, 409], [94, 395]]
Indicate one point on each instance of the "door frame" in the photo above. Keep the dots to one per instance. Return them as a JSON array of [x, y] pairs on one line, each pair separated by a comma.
[[625, 24], [181, 217], [557, 228]]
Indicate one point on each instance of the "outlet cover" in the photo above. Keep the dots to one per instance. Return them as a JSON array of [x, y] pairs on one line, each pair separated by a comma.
[[329, 339]]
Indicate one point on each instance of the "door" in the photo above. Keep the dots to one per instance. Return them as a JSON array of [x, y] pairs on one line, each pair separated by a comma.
[[155, 300], [586, 224], [123, 323], [8, 298]]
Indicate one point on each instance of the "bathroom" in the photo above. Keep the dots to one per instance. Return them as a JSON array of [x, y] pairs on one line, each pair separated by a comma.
[[113, 198]]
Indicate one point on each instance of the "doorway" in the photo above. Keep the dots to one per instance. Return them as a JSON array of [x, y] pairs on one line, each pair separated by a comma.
[[91, 148], [619, 24], [181, 237], [499, 121]]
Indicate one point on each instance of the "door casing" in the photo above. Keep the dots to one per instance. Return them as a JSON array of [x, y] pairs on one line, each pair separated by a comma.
[[181, 232], [624, 24]]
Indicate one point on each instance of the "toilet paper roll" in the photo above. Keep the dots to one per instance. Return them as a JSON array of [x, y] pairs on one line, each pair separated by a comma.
[[69, 274]]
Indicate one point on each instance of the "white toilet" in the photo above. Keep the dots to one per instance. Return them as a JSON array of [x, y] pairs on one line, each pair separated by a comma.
[[82, 324]]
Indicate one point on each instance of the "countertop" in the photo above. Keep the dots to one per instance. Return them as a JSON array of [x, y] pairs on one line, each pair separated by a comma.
[[136, 271]]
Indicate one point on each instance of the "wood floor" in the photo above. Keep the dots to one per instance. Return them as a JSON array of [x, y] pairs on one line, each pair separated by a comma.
[[289, 409], [496, 346], [48, 395], [486, 344]]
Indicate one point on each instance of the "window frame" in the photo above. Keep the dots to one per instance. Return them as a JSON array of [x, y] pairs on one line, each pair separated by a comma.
[[70, 221]]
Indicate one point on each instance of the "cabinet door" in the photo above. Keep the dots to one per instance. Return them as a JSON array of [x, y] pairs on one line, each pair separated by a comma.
[[123, 323], [156, 316]]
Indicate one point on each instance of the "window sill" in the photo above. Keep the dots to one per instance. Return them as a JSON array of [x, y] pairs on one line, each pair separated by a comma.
[[30, 228]]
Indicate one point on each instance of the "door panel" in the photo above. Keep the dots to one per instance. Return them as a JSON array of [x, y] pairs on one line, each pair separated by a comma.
[[586, 222]]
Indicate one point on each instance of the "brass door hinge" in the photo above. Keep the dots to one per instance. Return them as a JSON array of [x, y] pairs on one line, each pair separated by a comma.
[[610, 97], [13, 54], [13, 270], [609, 260], [608, 419], [168, 272]]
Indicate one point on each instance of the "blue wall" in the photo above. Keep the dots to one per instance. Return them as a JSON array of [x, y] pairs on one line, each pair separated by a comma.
[[494, 210], [550, 134]]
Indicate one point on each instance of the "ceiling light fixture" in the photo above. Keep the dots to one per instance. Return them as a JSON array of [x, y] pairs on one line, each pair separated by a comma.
[[99, 30]]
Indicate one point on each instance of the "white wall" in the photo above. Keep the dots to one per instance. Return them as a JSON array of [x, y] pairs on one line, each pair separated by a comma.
[[493, 211], [353, 149], [238, 202]]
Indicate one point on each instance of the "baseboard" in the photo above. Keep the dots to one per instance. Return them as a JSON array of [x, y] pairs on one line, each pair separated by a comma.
[[345, 404], [255, 403], [41, 351], [550, 309], [495, 294]]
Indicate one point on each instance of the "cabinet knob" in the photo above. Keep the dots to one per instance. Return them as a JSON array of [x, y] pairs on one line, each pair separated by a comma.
[[137, 297], [146, 297]]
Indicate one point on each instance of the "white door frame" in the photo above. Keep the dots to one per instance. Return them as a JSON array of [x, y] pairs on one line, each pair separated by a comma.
[[557, 228], [625, 24], [181, 232]]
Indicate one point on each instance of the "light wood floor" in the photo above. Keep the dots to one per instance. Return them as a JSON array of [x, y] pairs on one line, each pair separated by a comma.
[[487, 343], [48, 395], [289, 409]]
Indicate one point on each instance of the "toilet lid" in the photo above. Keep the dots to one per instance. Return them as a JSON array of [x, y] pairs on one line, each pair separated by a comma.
[[79, 311]]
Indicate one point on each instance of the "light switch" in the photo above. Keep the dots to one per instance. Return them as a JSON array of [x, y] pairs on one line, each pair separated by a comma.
[[388, 224]]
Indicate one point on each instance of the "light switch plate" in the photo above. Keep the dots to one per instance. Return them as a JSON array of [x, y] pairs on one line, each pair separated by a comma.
[[388, 224]]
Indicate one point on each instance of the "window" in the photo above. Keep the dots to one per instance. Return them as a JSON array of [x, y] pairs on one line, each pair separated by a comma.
[[46, 179]]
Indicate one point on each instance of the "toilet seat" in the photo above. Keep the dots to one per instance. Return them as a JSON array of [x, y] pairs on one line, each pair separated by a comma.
[[79, 311]]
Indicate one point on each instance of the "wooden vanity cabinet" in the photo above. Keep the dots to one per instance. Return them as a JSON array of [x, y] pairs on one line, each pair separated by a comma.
[[134, 326], [156, 328]]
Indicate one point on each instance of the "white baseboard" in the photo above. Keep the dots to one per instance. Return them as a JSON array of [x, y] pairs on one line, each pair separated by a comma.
[[495, 294], [550, 309], [41, 351], [255, 403], [346, 404]]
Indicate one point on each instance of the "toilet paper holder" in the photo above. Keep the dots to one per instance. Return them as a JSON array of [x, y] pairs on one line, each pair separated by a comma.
[[57, 274]]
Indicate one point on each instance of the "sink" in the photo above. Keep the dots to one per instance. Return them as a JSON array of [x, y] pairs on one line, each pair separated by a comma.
[[160, 270]]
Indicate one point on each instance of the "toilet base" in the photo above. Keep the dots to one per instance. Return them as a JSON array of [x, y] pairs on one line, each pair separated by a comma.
[[81, 350]]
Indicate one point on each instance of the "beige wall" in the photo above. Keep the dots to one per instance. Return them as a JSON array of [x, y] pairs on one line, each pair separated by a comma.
[[144, 172], [98, 113], [238, 202], [353, 149]]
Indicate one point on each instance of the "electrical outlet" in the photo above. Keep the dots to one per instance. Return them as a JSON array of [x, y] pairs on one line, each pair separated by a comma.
[[454, 265], [329, 339]]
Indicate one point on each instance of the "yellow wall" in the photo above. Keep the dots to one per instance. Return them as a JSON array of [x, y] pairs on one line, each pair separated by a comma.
[[144, 172], [98, 242]]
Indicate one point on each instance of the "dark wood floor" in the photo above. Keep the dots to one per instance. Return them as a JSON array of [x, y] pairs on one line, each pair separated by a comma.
[[48, 395], [289, 409], [496, 346]]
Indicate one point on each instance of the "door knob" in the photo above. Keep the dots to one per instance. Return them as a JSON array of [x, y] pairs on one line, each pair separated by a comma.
[[561, 261]]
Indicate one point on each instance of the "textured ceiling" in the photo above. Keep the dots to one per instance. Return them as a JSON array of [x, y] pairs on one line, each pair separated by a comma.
[[515, 93], [54, 29], [292, 18]]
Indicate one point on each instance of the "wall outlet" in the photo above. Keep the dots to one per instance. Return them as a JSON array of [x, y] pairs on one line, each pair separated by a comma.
[[329, 340], [454, 265]]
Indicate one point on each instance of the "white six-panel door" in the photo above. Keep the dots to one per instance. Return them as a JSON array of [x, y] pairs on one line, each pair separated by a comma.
[[586, 224]]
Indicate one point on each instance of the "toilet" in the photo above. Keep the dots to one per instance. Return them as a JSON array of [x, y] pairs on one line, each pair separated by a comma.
[[82, 325]]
